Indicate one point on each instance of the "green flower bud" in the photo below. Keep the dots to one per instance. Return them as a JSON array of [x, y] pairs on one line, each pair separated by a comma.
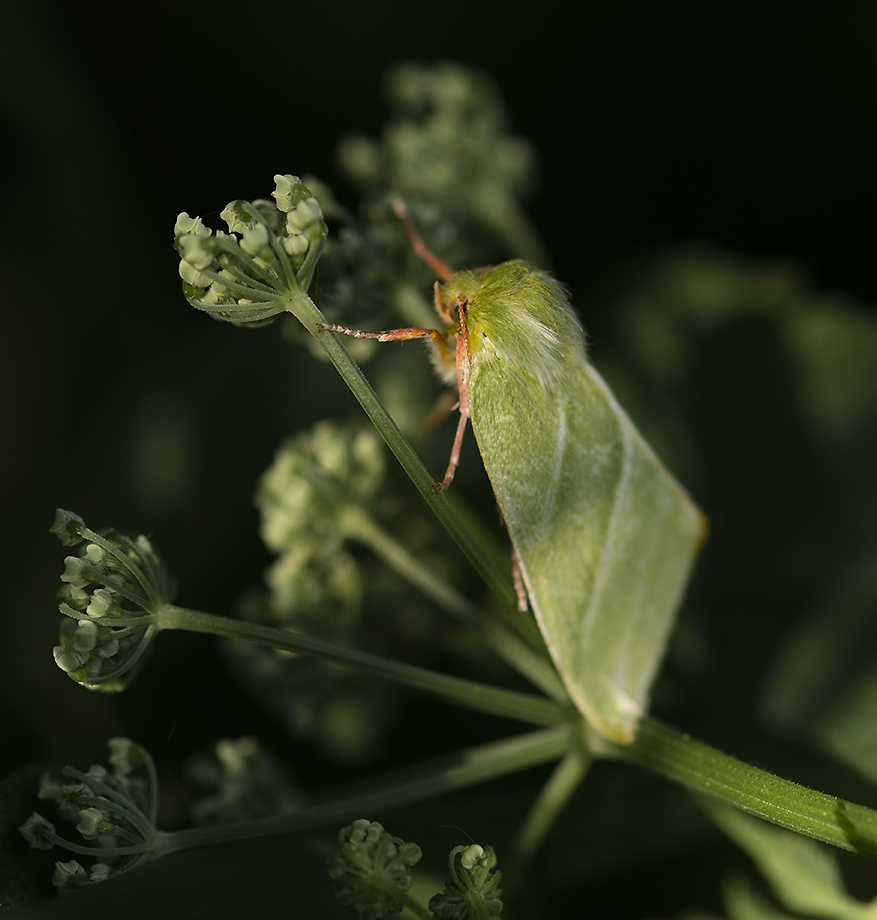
[[254, 240], [69, 875], [92, 823], [112, 594], [268, 257], [243, 780], [104, 805], [100, 872], [316, 479], [68, 527], [449, 143], [39, 832], [190, 225], [126, 756], [374, 869], [472, 891]]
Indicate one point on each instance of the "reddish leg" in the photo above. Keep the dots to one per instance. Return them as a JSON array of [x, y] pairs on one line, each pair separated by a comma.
[[392, 335], [445, 273], [520, 590], [463, 388], [432, 260], [455, 452]]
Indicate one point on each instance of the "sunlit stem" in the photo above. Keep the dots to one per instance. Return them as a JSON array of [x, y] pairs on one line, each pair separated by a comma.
[[704, 770]]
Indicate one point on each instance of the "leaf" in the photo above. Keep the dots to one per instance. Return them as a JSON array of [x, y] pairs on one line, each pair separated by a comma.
[[603, 534], [742, 903], [803, 873], [824, 685]]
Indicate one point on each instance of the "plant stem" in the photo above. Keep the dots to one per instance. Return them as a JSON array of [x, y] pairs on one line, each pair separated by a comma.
[[704, 770], [552, 799], [307, 313], [496, 700], [472, 766], [503, 641]]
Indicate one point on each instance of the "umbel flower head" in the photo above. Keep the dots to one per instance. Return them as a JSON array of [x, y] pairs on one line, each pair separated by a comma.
[[315, 498], [243, 780], [115, 810], [449, 143], [374, 869], [267, 258], [472, 892], [112, 594]]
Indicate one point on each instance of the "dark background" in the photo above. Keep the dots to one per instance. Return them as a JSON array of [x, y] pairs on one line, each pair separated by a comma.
[[747, 125]]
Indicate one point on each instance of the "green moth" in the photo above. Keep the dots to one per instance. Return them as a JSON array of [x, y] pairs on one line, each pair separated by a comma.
[[604, 537]]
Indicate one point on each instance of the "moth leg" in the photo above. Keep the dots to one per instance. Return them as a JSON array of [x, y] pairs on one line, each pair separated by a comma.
[[387, 335], [444, 406], [463, 389], [520, 590], [441, 309], [420, 248], [455, 452]]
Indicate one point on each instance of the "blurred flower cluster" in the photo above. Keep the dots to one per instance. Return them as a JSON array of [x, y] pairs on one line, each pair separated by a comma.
[[112, 594]]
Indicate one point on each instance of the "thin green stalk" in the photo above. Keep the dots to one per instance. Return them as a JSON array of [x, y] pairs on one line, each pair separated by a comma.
[[505, 643], [704, 770], [307, 313], [552, 799], [495, 700], [474, 765]]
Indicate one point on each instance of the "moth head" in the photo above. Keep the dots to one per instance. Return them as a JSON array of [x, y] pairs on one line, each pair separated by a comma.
[[519, 316]]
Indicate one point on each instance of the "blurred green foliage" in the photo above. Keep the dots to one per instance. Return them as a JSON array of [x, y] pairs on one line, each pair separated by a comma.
[[749, 129]]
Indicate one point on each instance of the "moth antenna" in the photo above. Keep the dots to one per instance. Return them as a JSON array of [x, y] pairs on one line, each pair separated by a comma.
[[442, 270]]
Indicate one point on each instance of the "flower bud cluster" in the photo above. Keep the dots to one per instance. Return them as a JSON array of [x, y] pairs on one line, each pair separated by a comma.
[[243, 780], [249, 274], [316, 480], [311, 499], [111, 594], [374, 869], [448, 141], [472, 892], [115, 809]]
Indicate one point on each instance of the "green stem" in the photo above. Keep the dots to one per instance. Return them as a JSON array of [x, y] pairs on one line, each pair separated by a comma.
[[121, 556], [472, 766], [552, 799], [495, 700], [704, 770], [307, 313], [82, 850], [505, 643]]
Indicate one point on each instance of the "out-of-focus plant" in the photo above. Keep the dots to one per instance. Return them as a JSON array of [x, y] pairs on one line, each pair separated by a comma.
[[306, 642]]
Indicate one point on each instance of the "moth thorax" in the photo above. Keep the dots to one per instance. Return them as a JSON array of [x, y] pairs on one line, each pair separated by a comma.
[[444, 362]]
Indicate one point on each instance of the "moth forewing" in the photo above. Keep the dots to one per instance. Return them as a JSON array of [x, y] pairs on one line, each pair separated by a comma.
[[604, 536]]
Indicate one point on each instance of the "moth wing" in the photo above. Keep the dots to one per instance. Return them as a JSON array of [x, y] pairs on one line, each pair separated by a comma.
[[604, 535]]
